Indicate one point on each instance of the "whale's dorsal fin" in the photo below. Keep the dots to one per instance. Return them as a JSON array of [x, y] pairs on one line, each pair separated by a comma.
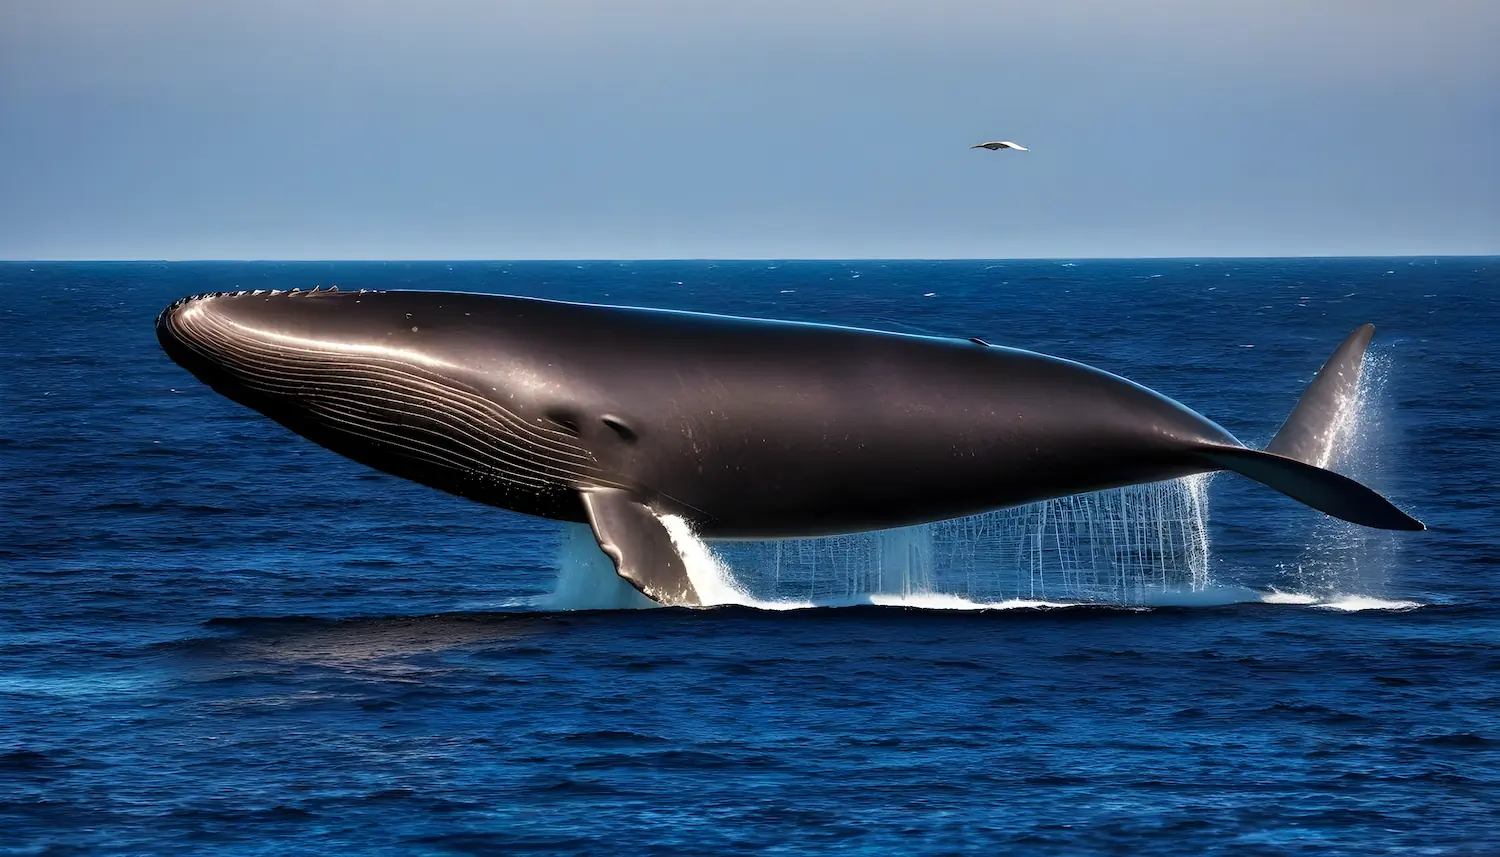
[[633, 537], [1311, 431]]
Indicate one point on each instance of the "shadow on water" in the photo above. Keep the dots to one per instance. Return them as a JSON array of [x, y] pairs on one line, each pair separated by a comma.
[[366, 639], [356, 639]]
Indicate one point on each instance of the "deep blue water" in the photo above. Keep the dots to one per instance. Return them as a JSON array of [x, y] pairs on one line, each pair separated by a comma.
[[216, 637]]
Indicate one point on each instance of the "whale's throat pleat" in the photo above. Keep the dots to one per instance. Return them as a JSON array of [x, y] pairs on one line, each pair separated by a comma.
[[391, 410]]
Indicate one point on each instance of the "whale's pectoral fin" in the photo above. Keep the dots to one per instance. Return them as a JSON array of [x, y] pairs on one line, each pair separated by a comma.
[[633, 537]]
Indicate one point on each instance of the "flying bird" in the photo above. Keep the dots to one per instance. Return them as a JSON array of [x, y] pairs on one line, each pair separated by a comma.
[[1001, 144]]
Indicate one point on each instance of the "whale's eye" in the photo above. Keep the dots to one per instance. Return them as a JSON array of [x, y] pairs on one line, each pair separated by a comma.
[[618, 426], [565, 420]]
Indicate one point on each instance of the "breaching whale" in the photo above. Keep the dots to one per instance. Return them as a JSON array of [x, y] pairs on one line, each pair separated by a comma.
[[746, 428]]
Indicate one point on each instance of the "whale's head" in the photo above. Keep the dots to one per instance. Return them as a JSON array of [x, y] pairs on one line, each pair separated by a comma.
[[415, 384]]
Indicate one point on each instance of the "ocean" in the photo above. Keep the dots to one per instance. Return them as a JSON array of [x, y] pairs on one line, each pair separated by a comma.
[[216, 637]]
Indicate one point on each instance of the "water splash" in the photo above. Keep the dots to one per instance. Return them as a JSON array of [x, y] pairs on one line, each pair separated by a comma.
[[586, 578], [1136, 545], [1140, 545], [1339, 557], [715, 584]]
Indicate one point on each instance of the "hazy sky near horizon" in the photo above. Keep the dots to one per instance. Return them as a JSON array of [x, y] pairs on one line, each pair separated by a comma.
[[366, 129]]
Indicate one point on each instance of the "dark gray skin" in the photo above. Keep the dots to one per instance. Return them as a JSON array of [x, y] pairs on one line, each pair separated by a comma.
[[746, 428]]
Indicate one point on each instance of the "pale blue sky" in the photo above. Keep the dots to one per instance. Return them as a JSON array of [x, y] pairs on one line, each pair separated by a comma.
[[777, 128]]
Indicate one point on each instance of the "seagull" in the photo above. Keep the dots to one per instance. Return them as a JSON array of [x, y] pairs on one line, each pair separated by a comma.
[[1001, 144]]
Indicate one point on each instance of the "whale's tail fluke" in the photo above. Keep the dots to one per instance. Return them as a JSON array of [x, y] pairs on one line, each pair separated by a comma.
[[1294, 461], [1324, 490]]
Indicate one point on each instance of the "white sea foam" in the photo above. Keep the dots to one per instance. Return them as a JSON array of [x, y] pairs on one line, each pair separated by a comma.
[[1353, 603], [1346, 603], [1276, 596], [935, 601]]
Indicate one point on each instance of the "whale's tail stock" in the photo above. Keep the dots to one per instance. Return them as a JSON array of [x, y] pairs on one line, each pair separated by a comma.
[[1295, 461]]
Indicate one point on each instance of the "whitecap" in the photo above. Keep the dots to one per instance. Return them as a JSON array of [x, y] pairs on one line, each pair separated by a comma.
[[1276, 596], [1355, 603]]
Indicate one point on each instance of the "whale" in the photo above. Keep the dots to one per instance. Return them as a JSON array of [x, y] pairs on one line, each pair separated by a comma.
[[746, 428]]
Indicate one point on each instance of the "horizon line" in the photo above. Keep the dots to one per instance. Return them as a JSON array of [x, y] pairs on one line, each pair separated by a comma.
[[294, 259]]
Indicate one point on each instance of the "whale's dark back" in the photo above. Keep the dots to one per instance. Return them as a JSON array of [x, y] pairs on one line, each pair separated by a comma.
[[759, 428]]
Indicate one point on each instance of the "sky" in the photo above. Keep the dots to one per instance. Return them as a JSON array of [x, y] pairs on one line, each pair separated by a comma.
[[634, 129]]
